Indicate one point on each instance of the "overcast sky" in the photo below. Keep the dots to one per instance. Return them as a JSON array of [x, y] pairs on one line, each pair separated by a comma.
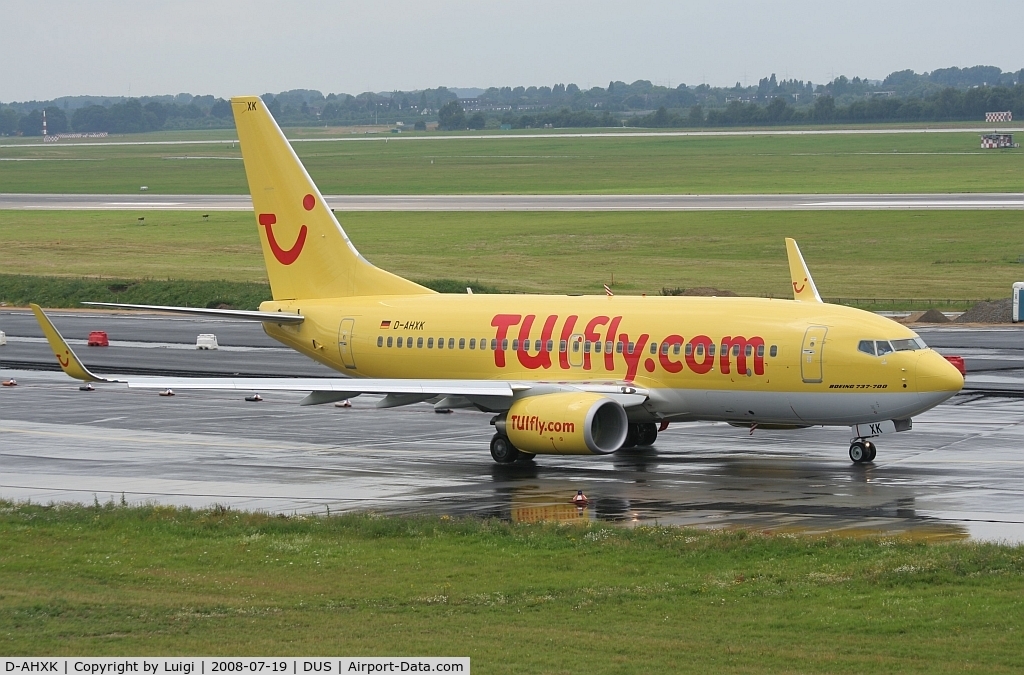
[[231, 47]]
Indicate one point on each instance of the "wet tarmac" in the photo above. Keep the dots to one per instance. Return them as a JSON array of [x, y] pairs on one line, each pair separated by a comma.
[[958, 473]]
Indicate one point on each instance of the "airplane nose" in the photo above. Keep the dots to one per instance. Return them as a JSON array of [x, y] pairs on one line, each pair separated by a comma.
[[937, 376]]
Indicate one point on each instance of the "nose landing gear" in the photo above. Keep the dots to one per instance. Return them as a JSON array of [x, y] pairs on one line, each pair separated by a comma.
[[862, 451]]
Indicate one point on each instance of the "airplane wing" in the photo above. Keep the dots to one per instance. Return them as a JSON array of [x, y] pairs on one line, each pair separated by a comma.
[[804, 289], [245, 315], [491, 394]]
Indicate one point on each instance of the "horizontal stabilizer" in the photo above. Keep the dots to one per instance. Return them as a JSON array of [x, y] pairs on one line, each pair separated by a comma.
[[241, 314]]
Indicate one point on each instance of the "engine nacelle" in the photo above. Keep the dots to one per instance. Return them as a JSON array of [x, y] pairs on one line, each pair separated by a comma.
[[570, 423]]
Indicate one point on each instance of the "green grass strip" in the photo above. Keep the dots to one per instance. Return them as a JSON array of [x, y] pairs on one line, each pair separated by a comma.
[[834, 163], [21, 289], [514, 597]]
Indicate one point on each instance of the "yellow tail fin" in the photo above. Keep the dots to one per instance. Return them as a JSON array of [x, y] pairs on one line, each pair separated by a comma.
[[308, 254], [803, 285]]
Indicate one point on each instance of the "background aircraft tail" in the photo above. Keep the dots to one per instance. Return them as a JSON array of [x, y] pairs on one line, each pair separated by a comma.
[[307, 253]]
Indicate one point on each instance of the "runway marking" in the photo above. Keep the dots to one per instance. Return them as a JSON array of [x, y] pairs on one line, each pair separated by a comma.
[[132, 207], [49, 159], [532, 202], [910, 203], [154, 204], [504, 137], [107, 419]]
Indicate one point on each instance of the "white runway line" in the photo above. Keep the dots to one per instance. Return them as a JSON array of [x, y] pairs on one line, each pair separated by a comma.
[[509, 137], [530, 202]]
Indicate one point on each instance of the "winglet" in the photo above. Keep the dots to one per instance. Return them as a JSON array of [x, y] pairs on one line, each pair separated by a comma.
[[803, 285], [68, 360]]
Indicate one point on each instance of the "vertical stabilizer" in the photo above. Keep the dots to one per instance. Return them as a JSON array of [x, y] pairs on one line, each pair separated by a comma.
[[804, 289], [307, 253]]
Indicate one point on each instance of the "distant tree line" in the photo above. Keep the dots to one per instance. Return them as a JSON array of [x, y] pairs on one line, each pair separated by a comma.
[[124, 117], [945, 94], [944, 105]]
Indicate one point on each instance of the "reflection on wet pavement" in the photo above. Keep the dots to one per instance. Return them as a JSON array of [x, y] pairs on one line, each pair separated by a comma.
[[959, 473]]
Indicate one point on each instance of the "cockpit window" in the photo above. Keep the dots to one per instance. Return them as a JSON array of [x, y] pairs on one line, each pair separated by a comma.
[[908, 345], [883, 347]]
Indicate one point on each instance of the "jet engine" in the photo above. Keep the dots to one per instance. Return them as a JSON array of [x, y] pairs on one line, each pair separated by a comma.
[[569, 423]]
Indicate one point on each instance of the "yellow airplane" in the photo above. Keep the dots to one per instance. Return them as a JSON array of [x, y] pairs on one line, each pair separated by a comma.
[[560, 374]]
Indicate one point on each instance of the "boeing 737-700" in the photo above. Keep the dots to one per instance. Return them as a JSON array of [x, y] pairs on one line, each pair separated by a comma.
[[558, 374]]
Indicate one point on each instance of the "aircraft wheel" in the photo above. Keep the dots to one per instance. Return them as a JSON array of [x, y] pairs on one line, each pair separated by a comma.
[[632, 437], [502, 450], [647, 433], [858, 452], [871, 451]]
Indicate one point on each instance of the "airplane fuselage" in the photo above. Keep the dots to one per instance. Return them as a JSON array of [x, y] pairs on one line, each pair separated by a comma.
[[743, 360]]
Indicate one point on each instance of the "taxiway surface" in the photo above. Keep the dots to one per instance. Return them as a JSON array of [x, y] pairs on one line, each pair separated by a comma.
[[816, 202], [960, 472]]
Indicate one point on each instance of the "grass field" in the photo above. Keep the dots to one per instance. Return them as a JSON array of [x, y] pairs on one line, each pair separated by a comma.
[[858, 254], [845, 163], [514, 597]]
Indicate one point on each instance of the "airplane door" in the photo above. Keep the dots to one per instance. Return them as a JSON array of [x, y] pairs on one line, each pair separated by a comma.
[[345, 342], [576, 350], [811, 354]]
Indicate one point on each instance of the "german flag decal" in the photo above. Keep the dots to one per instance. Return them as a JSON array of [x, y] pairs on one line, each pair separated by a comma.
[[385, 324]]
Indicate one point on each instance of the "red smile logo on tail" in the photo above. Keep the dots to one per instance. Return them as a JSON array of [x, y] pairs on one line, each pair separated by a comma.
[[289, 255], [798, 287], [65, 361]]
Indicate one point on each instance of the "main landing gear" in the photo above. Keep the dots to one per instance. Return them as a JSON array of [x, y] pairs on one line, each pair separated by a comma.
[[645, 433], [862, 451], [504, 452]]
